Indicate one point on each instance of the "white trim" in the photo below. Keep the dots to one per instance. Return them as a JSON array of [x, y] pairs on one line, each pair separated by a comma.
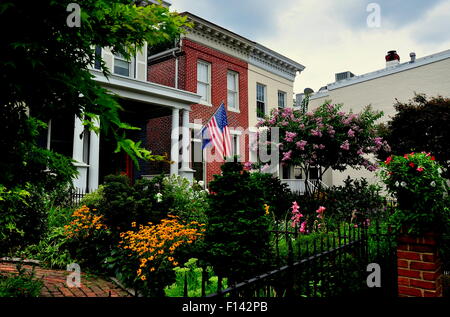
[[235, 76], [208, 84], [147, 92]]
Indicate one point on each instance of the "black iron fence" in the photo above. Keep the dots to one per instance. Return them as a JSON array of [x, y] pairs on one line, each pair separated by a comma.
[[76, 195], [330, 263]]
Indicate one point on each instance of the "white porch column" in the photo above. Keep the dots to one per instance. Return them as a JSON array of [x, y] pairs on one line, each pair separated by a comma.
[[185, 170], [174, 146], [94, 158], [77, 154]]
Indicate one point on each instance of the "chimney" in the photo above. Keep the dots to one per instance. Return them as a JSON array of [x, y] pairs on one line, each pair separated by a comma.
[[412, 55], [392, 59]]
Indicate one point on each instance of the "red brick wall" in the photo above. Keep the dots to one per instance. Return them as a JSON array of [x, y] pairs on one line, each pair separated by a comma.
[[419, 267], [158, 141], [220, 64], [162, 73]]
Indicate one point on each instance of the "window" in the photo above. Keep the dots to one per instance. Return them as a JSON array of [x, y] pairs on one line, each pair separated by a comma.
[[204, 80], [123, 66], [197, 155], [235, 144], [260, 100], [98, 57], [281, 99], [232, 88]]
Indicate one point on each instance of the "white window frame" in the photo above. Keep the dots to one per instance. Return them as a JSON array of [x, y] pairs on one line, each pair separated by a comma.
[[206, 101], [284, 94], [235, 93], [263, 101], [131, 65]]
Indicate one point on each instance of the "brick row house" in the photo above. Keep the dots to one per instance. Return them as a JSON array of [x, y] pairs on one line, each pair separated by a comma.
[[222, 67], [170, 93]]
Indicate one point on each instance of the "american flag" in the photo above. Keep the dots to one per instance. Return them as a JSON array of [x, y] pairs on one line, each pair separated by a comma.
[[217, 133]]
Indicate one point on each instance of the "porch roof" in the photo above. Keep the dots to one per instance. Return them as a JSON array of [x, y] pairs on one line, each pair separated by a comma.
[[147, 92]]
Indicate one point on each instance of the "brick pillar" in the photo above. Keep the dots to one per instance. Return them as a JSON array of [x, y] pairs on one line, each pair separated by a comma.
[[419, 267]]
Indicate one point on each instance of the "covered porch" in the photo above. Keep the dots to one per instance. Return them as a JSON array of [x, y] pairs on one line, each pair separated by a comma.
[[142, 101]]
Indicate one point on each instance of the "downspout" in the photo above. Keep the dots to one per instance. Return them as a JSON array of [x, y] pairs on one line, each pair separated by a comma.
[[176, 69]]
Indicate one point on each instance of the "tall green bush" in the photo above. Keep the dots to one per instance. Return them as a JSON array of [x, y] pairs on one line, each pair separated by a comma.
[[237, 238]]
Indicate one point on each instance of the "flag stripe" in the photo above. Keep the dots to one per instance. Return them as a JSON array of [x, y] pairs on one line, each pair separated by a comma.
[[219, 133]]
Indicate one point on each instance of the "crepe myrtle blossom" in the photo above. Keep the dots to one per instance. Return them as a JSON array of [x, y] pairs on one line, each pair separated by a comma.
[[247, 166], [290, 136], [351, 133], [287, 155], [301, 144], [316, 133], [345, 145]]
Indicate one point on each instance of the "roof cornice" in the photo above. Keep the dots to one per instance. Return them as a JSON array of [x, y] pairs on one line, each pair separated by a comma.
[[253, 49]]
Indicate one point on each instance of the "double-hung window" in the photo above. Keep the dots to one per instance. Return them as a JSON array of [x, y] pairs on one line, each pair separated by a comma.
[[122, 66], [281, 99], [204, 80], [233, 90], [260, 100]]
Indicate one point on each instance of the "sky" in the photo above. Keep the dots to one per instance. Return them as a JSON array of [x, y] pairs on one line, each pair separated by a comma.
[[331, 36]]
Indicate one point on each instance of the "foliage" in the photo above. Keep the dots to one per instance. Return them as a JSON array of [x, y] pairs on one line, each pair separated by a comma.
[[22, 216], [23, 284], [121, 203], [193, 275], [186, 200], [416, 181], [355, 201], [238, 225], [326, 137], [56, 58], [52, 251], [275, 194], [151, 251], [419, 125]]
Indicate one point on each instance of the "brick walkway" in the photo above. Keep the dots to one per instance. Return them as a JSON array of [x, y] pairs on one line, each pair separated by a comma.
[[55, 283]]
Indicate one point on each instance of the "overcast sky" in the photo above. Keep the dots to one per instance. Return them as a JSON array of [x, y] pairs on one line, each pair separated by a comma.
[[330, 36]]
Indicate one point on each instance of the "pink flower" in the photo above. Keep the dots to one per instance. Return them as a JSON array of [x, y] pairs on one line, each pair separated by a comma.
[[301, 144], [345, 145], [420, 169], [320, 212], [290, 136], [286, 156], [351, 133], [247, 166], [316, 133], [303, 227], [265, 167]]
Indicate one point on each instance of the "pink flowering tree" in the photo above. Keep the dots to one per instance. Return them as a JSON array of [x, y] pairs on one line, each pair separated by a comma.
[[326, 138]]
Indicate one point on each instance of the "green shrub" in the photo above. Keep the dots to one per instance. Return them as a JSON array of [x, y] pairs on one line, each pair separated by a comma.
[[52, 250], [22, 285], [193, 275], [237, 238], [22, 216], [275, 194], [353, 202], [186, 200]]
